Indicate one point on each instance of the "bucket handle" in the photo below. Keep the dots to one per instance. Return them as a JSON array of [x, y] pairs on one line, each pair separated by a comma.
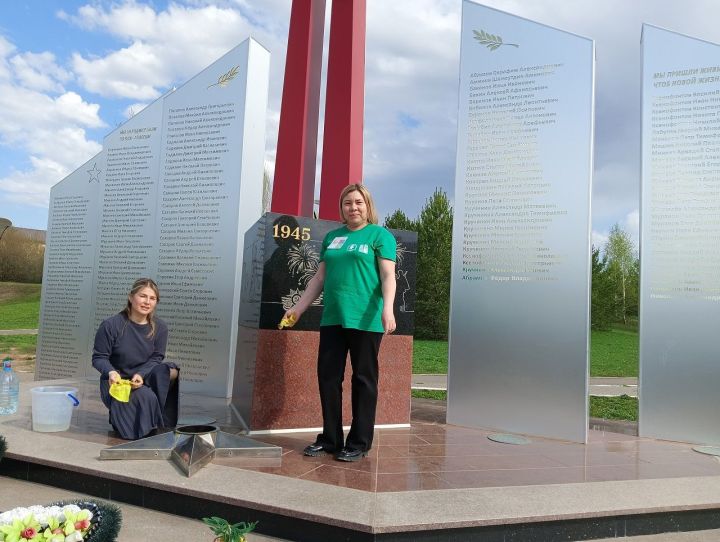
[[75, 400]]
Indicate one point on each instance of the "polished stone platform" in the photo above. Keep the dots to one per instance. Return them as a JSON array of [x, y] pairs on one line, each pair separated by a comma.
[[431, 481]]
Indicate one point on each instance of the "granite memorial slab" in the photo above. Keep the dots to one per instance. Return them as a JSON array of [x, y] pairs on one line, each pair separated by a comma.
[[275, 384]]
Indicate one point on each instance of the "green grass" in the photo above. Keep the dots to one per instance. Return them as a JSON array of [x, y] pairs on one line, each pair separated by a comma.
[[430, 357], [614, 353], [17, 345], [609, 408], [19, 305], [614, 408], [440, 395]]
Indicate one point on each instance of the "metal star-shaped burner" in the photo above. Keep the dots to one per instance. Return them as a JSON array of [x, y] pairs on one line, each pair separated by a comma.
[[191, 447]]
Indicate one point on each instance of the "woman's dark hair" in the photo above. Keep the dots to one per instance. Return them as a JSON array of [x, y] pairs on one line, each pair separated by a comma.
[[138, 285]]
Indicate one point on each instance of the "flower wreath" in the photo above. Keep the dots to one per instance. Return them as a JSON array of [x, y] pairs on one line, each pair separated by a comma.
[[64, 521]]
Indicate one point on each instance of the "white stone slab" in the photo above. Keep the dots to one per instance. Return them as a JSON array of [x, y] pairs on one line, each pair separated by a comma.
[[182, 183], [519, 316], [66, 295], [680, 237]]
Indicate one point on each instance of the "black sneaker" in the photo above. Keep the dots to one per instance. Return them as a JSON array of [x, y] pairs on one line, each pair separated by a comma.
[[315, 450], [348, 454]]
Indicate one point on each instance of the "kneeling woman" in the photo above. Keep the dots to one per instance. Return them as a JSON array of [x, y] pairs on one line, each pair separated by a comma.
[[131, 345]]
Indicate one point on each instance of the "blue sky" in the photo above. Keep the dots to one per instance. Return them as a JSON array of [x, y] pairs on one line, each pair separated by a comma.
[[71, 70]]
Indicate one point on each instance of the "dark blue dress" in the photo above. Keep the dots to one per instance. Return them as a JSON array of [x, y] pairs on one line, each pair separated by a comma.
[[122, 345]]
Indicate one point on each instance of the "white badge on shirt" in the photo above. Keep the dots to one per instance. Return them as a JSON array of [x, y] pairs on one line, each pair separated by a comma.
[[337, 243]]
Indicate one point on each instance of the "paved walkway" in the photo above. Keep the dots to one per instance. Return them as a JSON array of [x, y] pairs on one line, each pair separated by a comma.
[[603, 387], [18, 331]]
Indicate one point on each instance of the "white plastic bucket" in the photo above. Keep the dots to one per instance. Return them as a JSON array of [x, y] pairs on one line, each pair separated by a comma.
[[52, 407]]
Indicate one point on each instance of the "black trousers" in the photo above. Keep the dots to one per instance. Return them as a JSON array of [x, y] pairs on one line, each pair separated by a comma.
[[335, 343]]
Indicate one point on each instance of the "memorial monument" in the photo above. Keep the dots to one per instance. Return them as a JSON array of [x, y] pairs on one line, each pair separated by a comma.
[[275, 379], [680, 229], [275, 384], [170, 196], [519, 318]]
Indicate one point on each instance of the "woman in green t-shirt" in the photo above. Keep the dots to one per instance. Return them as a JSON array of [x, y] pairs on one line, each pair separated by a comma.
[[356, 276]]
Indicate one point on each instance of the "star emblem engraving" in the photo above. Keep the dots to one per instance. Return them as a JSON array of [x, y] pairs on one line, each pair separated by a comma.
[[94, 173]]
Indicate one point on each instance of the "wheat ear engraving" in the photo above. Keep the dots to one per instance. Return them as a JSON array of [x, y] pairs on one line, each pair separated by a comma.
[[491, 41], [225, 78]]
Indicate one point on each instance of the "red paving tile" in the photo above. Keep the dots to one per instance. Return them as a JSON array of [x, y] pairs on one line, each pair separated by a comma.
[[513, 477], [339, 476]]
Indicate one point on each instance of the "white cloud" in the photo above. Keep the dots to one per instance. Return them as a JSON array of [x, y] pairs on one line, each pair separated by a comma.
[[126, 19], [71, 107], [631, 225], [6, 48], [43, 120], [132, 72], [616, 189], [67, 146], [32, 186], [165, 47], [411, 101], [25, 112], [599, 239], [38, 71], [53, 153]]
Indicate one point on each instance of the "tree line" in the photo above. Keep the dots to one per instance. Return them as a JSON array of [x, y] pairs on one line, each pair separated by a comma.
[[615, 271], [21, 256]]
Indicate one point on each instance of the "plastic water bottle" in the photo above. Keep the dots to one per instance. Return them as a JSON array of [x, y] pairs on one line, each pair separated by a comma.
[[9, 389]]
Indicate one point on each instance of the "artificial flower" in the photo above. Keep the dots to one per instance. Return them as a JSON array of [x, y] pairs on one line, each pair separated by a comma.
[[69, 523]]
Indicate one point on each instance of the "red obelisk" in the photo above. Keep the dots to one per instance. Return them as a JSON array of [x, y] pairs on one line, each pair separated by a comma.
[[344, 105], [294, 185]]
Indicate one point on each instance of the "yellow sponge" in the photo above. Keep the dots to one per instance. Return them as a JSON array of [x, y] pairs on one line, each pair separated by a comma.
[[121, 390], [287, 322]]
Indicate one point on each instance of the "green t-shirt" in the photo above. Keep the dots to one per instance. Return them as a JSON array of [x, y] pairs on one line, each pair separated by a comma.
[[352, 294]]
